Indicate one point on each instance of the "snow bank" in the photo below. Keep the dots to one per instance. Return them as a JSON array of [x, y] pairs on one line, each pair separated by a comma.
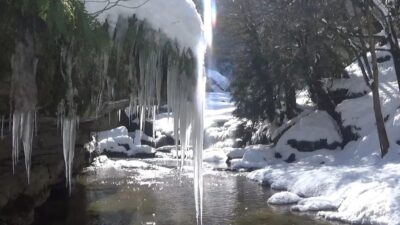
[[178, 19], [359, 114], [351, 192], [353, 185]]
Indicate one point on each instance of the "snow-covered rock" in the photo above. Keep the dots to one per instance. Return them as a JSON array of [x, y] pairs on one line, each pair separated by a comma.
[[118, 142], [237, 153], [314, 127], [315, 204], [283, 198], [214, 156], [255, 156], [119, 131]]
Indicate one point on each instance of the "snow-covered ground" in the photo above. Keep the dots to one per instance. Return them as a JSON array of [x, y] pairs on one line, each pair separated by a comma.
[[351, 185]]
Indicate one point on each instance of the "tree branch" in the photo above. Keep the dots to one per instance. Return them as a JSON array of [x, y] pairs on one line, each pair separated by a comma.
[[117, 3]]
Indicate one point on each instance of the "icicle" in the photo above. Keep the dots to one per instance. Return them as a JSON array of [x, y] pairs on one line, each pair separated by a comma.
[[130, 112], [35, 123], [69, 135], [142, 118], [198, 110], [77, 122], [119, 116], [60, 114], [2, 127], [27, 126], [10, 119], [58, 122], [15, 138], [154, 121]]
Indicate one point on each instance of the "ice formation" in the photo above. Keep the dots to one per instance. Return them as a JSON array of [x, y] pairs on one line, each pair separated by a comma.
[[24, 99], [23, 125], [69, 126]]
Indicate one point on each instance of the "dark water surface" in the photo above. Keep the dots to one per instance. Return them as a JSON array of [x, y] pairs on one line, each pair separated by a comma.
[[160, 195]]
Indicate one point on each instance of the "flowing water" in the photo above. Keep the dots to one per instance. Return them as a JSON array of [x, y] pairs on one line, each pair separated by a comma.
[[156, 192]]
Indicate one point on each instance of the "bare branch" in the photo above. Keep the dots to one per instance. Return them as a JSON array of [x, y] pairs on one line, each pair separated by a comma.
[[117, 3]]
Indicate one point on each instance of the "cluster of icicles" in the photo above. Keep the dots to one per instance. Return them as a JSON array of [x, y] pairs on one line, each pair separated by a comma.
[[185, 98], [68, 126], [23, 129], [23, 97]]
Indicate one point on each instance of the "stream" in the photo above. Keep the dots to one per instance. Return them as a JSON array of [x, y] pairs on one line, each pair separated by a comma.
[[156, 192]]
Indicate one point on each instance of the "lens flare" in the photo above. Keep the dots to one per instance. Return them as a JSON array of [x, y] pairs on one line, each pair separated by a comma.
[[209, 19], [213, 13]]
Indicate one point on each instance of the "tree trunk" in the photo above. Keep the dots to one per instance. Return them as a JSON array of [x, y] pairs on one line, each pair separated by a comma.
[[290, 101], [380, 123], [363, 71], [271, 102]]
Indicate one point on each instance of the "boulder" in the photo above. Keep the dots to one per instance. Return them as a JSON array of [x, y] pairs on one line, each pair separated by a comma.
[[164, 140]]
